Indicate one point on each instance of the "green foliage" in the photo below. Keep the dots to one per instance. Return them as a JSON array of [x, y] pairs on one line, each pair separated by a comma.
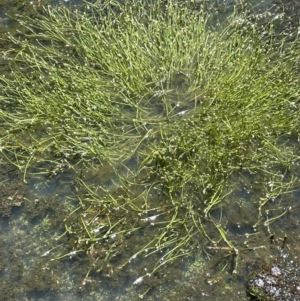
[[191, 104]]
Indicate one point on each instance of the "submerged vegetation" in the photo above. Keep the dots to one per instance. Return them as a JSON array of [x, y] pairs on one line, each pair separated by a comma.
[[161, 111]]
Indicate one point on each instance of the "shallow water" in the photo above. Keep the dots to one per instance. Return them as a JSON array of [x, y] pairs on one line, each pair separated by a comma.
[[31, 237]]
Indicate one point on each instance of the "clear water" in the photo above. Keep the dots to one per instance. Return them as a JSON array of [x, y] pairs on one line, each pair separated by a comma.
[[32, 236]]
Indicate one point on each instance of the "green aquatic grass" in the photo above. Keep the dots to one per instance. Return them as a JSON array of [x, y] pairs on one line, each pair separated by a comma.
[[97, 84], [160, 109]]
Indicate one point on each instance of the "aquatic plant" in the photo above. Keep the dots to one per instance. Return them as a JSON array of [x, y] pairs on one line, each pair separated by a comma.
[[159, 110]]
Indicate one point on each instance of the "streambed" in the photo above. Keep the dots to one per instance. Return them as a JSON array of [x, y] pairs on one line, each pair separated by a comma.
[[33, 224], [40, 220]]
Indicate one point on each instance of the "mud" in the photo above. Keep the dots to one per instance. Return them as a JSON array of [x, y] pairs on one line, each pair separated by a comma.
[[12, 189]]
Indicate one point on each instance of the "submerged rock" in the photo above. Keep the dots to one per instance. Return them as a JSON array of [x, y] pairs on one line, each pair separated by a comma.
[[281, 282]]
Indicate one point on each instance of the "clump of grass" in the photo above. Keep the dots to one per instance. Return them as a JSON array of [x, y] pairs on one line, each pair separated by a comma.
[[96, 83], [156, 84]]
